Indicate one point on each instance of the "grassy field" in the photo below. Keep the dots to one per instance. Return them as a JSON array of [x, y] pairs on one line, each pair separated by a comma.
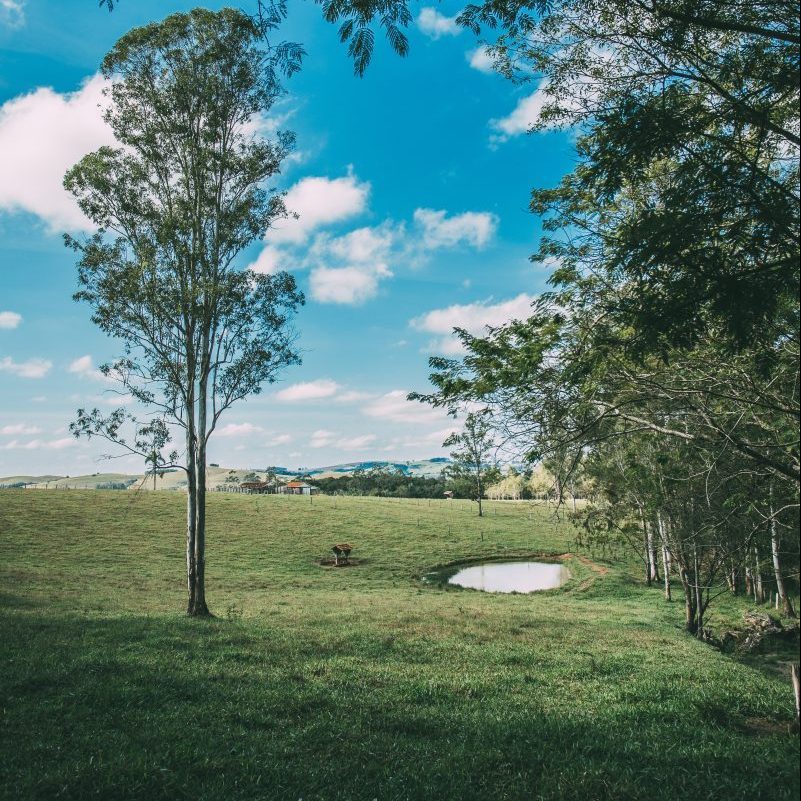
[[360, 682]]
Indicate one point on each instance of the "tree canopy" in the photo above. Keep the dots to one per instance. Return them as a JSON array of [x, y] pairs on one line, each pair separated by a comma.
[[175, 204]]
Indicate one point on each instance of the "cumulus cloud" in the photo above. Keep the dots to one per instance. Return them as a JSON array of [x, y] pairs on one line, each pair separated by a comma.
[[42, 134], [351, 266], [9, 319], [319, 201], [268, 262], [344, 285], [524, 115], [473, 317], [471, 228], [12, 13], [480, 59], [436, 25], [32, 368], [308, 390], [393, 406], [19, 428], [238, 430], [84, 367]]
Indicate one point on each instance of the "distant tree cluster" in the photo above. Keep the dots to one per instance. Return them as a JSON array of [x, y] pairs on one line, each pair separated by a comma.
[[389, 482]]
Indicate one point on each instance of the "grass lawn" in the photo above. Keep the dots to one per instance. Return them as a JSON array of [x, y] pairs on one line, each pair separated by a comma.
[[360, 682]]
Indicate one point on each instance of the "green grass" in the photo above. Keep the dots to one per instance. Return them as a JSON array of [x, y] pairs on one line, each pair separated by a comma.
[[354, 683]]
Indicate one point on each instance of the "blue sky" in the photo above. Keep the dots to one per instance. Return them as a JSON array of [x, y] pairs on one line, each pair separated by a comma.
[[412, 184]]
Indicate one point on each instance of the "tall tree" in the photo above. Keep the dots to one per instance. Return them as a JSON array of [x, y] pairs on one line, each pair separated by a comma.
[[175, 204], [472, 456]]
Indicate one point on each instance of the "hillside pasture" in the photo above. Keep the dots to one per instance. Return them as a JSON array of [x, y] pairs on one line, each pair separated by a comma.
[[355, 683]]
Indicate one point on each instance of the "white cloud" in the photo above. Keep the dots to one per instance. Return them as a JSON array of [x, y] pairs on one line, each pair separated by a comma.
[[327, 439], [33, 368], [473, 317], [84, 367], [20, 428], [42, 134], [344, 285], [308, 390], [351, 266], [393, 406], [39, 444], [9, 319], [323, 438], [525, 114], [436, 25], [472, 228], [356, 443], [268, 262], [237, 429], [480, 59], [12, 13], [584, 94], [319, 201], [362, 246], [280, 439]]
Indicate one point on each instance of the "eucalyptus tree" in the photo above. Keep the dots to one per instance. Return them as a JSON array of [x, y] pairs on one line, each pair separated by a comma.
[[175, 204], [472, 454]]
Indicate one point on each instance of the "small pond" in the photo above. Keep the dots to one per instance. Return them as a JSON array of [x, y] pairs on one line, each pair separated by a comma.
[[511, 576]]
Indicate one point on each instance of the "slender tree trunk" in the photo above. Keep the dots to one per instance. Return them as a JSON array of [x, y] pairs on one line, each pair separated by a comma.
[[646, 548], [759, 587], [198, 607], [660, 527], [652, 561], [689, 602], [191, 525], [699, 604], [775, 549], [794, 668]]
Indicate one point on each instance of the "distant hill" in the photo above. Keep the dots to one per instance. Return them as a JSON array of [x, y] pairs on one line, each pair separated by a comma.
[[422, 468], [176, 479]]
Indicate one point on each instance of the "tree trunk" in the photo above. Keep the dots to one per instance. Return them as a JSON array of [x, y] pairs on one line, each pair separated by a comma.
[[796, 689], [759, 587], [191, 527], [690, 624], [199, 607], [775, 549], [699, 601], [660, 527], [652, 562], [666, 571]]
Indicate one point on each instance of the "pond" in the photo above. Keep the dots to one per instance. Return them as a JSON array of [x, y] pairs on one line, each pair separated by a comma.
[[511, 576]]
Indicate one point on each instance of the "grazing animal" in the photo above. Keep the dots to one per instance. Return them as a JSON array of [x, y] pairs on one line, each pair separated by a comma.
[[341, 553]]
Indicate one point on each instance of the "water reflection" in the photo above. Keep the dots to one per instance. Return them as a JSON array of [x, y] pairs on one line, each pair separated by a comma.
[[512, 576]]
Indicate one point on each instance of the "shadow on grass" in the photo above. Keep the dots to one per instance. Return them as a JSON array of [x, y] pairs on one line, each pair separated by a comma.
[[156, 708]]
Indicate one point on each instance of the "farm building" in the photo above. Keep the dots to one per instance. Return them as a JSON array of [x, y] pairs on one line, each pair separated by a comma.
[[298, 488]]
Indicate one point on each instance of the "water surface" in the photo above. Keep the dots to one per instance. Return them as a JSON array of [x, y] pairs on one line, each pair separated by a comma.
[[512, 576]]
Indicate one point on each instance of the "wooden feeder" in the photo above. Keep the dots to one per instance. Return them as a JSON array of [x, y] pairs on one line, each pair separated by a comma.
[[341, 553]]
